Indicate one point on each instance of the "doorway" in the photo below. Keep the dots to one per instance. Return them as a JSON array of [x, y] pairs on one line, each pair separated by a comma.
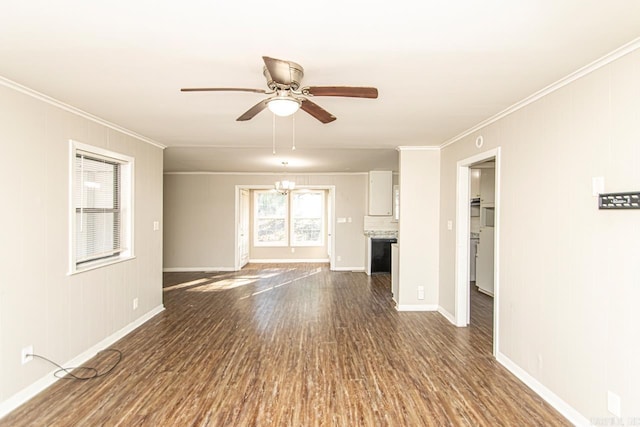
[[463, 242], [243, 229]]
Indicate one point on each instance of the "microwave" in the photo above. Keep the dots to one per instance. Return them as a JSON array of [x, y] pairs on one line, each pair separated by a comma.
[[487, 216]]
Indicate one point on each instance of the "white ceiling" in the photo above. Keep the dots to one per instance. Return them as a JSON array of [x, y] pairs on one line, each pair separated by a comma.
[[441, 67]]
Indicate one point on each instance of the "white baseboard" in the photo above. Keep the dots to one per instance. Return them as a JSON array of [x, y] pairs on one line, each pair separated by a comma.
[[354, 269], [486, 292], [288, 261], [30, 391], [450, 317], [560, 405], [195, 269], [417, 307]]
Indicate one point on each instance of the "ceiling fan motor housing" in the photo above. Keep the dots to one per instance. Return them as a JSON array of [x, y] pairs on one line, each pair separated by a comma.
[[293, 79]]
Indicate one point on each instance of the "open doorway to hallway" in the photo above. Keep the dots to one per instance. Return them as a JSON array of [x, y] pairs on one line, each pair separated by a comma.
[[477, 248], [481, 244]]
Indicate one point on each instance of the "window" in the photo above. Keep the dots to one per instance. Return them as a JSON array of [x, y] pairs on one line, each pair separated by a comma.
[[307, 218], [101, 207], [270, 218], [295, 219]]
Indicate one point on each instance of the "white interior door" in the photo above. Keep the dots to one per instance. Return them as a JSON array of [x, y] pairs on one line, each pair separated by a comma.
[[243, 228], [329, 223]]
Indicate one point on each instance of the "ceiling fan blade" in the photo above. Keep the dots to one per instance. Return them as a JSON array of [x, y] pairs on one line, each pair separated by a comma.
[[221, 89], [251, 112], [279, 70], [317, 111], [349, 91]]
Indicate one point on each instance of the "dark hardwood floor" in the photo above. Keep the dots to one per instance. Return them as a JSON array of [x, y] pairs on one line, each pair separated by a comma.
[[294, 345]]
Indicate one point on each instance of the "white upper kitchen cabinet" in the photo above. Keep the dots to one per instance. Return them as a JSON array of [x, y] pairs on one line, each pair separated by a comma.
[[380, 193], [487, 186], [475, 183]]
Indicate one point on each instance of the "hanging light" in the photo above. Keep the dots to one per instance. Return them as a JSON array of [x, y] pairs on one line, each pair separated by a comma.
[[283, 105], [284, 186]]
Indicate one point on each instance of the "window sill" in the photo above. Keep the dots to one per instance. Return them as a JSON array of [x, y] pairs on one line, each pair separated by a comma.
[[95, 266]]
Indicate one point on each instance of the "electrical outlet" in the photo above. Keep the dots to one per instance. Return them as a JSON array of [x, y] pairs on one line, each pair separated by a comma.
[[27, 354], [539, 362], [614, 403], [293, 250], [156, 225], [339, 258], [420, 292], [135, 303]]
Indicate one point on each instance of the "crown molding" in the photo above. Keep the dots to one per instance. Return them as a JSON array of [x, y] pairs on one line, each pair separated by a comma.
[[418, 148], [56, 103], [289, 173], [587, 69]]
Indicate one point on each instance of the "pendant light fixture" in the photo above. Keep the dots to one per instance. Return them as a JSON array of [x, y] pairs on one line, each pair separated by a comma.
[[284, 186]]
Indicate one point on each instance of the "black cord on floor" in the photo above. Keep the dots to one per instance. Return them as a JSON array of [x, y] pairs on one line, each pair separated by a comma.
[[93, 372]]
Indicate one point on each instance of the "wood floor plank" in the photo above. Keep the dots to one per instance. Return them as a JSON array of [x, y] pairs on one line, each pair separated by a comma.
[[295, 345]]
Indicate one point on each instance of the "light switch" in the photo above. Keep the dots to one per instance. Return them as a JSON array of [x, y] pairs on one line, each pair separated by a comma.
[[597, 183], [342, 220], [613, 403], [449, 225]]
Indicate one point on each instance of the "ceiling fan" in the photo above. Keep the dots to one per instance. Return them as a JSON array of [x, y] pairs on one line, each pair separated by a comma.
[[283, 80]]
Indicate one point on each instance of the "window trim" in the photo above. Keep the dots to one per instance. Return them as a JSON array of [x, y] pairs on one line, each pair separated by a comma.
[[282, 244], [323, 219], [289, 240], [127, 168]]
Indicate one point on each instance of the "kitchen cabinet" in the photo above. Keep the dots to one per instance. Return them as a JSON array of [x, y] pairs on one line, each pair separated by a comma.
[[380, 193], [474, 192], [473, 256], [487, 186]]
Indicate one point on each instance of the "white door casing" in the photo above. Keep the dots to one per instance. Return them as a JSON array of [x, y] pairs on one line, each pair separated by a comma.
[[462, 245]]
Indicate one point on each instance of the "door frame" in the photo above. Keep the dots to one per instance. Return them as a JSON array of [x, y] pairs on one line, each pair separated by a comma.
[[240, 260], [463, 213]]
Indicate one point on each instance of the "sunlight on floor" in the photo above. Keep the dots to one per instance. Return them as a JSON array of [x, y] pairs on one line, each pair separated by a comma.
[[186, 284], [222, 285], [221, 282], [289, 282]]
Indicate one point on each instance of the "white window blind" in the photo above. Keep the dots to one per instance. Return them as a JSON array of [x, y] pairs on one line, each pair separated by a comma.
[[97, 202]]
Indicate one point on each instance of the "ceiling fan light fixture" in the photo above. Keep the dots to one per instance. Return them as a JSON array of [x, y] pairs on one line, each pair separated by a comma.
[[283, 106]]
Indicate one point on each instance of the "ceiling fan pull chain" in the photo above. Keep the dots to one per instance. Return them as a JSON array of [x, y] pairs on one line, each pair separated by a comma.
[[293, 120], [274, 134]]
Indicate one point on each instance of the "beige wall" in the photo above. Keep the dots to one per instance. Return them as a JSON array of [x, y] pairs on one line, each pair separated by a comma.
[[63, 316], [569, 284], [200, 215], [418, 237]]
